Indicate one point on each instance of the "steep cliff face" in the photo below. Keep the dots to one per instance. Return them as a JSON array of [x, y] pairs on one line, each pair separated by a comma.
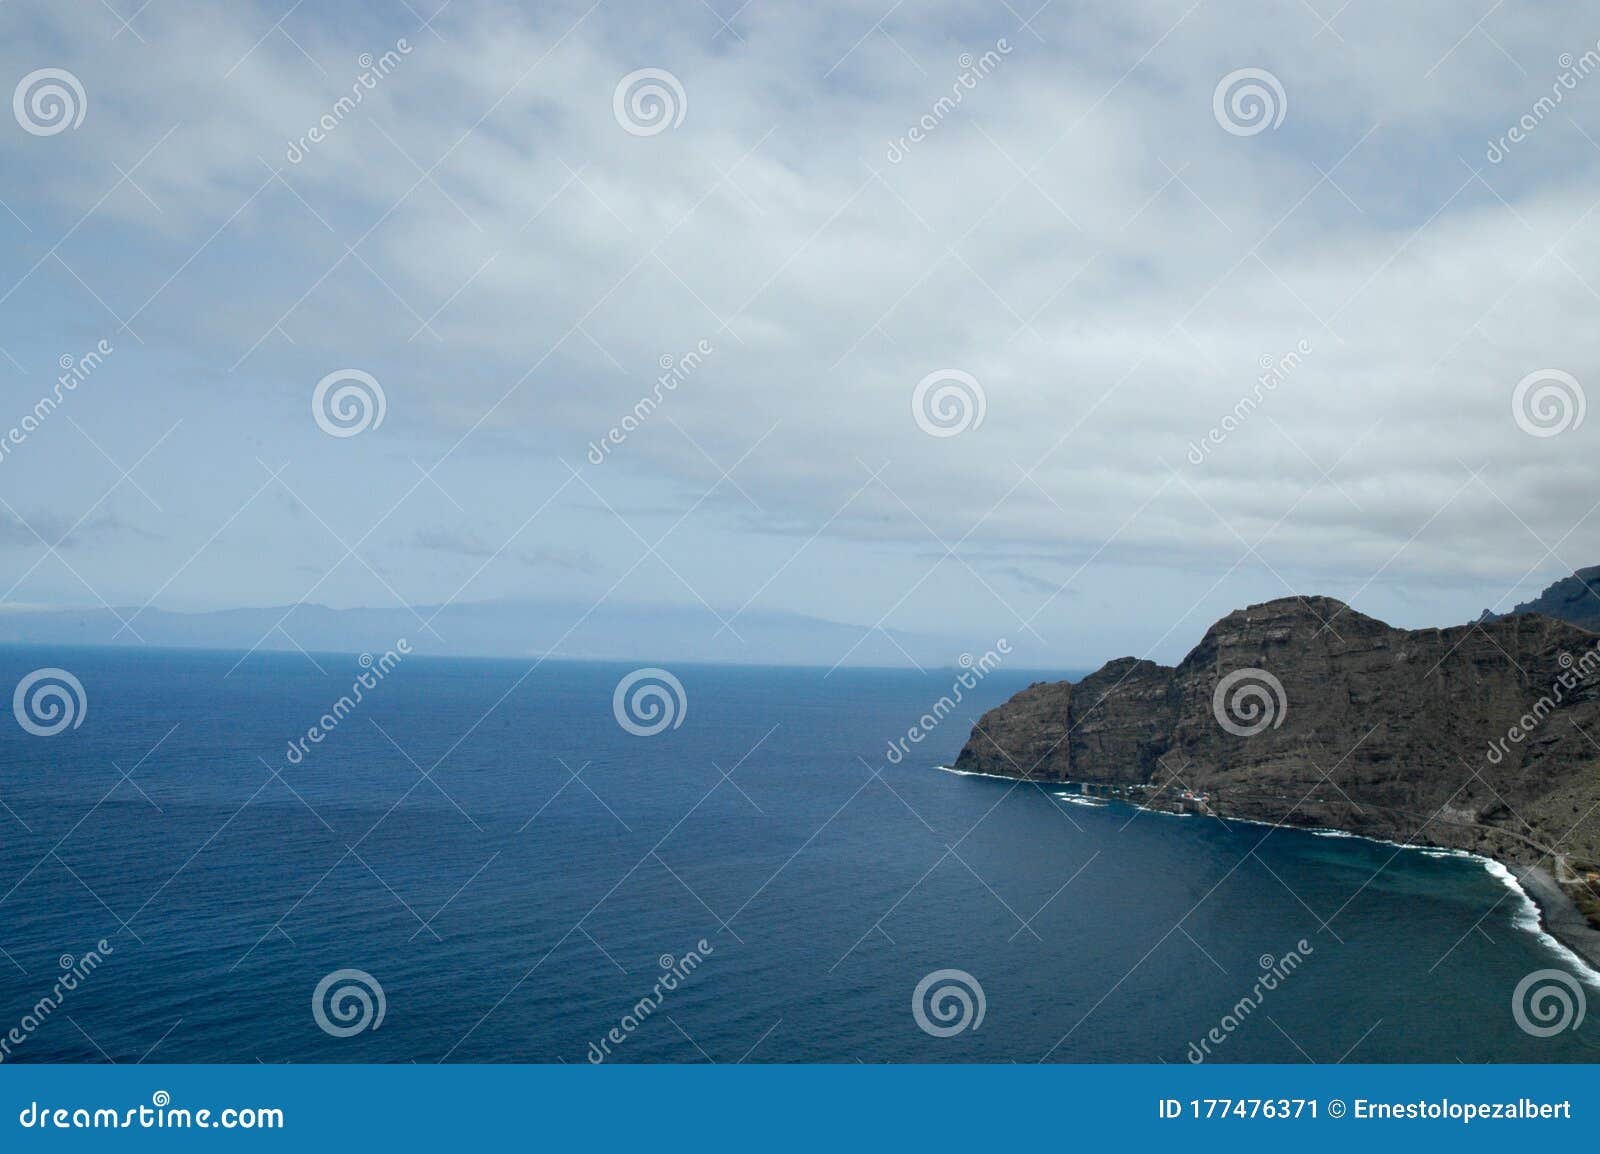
[[1483, 737], [1122, 719], [1025, 737], [1574, 599]]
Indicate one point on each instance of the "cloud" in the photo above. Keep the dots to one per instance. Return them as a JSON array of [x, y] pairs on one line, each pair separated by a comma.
[[462, 543], [1079, 235], [39, 530]]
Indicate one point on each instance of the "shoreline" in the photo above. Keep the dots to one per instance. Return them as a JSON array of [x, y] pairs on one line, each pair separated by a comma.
[[1552, 915], [1559, 917]]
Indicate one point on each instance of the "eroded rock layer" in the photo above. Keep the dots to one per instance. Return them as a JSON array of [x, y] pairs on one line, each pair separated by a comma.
[[1483, 737]]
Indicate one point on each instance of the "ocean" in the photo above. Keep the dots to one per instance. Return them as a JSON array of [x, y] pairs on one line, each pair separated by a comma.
[[479, 863]]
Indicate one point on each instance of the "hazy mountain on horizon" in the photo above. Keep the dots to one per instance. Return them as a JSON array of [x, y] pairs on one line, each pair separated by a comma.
[[618, 632], [497, 629]]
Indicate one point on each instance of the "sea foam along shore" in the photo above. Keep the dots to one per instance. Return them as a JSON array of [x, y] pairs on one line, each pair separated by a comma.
[[1560, 919], [1543, 908]]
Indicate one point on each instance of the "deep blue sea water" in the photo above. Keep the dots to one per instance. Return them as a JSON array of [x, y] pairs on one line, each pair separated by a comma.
[[512, 867]]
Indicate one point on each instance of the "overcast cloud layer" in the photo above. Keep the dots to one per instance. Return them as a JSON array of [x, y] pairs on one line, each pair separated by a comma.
[[1079, 222]]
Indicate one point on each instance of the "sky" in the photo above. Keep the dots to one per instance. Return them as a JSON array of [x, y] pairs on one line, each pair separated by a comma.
[[965, 311]]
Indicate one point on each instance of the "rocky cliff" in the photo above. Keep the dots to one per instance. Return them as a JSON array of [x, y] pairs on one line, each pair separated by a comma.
[[1301, 711], [1575, 599]]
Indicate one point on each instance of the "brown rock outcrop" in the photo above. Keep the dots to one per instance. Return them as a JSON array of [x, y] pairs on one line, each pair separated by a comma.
[[1483, 737]]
